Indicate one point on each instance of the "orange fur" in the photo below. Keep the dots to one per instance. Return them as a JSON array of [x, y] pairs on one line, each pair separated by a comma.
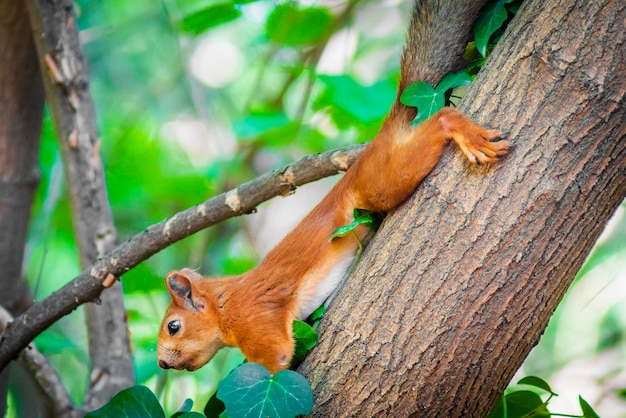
[[255, 311]]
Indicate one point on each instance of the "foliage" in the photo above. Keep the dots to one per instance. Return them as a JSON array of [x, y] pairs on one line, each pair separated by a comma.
[[172, 138], [491, 19], [139, 402], [306, 338], [524, 401], [429, 100], [251, 391], [369, 218]]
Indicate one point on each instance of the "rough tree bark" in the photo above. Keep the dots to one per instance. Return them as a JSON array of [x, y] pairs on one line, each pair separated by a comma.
[[21, 109], [67, 90], [460, 282]]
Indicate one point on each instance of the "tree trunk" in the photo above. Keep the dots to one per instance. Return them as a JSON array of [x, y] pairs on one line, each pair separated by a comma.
[[67, 90], [21, 109], [460, 282]]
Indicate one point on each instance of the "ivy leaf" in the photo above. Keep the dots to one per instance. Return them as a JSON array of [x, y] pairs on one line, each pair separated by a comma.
[[134, 402], [490, 19], [306, 338], [207, 18], [588, 411], [536, 382], [292, 25], [453, 80], [369, 218], [251, 391], [429, 100], [425, 98]]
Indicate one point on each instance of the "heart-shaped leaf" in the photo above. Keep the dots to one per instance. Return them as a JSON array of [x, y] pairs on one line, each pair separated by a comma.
[[425, 98], [430, 100], [134, 402], [251, 391]]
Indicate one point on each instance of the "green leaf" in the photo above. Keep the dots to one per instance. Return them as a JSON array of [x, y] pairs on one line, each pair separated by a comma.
[[523, 402], [429, 100], [136, 401], [344, 230], [490, 19], [498, 410], [536, 382], [292, 25], [425, 98], [251, 391], [207, 18], [588, 411], [214, 407], [453, 80], [306, 338], [368, 218], [317, 314]]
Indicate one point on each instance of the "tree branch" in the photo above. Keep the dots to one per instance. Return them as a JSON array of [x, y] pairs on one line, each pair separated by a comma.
[[241, 200], [67, 90], [46, 376]]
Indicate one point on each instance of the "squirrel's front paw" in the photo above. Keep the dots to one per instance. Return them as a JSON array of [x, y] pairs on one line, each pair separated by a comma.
[[483, 146]]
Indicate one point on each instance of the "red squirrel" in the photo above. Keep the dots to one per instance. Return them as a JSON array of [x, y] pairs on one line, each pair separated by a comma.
[[254, 311]]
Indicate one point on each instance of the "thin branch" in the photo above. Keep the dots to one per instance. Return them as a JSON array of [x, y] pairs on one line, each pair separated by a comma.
[[67, 90], [46, 376], [241, 200]]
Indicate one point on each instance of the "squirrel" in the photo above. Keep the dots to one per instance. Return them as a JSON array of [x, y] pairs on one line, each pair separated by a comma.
[[254, 311]]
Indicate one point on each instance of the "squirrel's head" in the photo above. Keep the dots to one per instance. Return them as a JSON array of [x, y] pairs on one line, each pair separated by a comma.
[[190, 335]]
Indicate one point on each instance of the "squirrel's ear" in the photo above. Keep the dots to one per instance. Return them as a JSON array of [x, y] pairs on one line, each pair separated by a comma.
[[181, 286]]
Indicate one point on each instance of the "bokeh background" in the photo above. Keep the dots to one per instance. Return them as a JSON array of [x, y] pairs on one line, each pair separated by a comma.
[[194, 97]]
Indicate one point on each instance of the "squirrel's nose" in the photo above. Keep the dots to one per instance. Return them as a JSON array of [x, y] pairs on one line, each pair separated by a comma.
[[163, 364]]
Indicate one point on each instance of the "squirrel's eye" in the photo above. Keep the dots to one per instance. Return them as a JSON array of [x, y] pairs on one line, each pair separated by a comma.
[[173, 326]]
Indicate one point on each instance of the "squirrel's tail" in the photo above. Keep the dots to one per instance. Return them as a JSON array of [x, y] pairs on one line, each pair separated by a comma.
[[438, 33]]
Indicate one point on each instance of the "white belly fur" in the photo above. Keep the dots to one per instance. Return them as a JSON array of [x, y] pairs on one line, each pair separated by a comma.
[[313, 299]]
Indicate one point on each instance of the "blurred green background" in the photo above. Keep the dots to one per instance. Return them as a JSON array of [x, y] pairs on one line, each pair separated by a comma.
[[195, 97]]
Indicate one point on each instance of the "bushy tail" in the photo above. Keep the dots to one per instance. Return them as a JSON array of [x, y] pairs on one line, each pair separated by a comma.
[[438, 33]]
